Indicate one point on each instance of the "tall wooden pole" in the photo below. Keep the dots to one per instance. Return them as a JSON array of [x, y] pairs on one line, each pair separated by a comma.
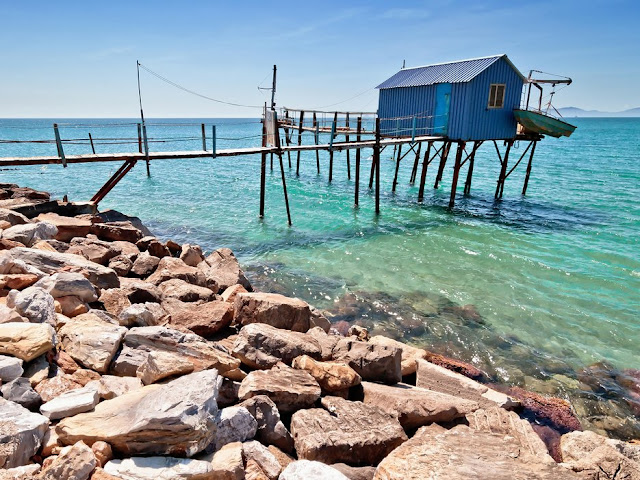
[[456, 171], [423, 175], [467, 183], [299, 142], [144, 128], [316, 135], [443, 161], [395, 176], [414, 171], [503, 171], [357, 193], [526, 178], [347, 140], [263, 167], [376, 160], [334, 127]]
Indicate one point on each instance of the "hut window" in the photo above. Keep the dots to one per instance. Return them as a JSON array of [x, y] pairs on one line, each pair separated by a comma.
[[496, 95]]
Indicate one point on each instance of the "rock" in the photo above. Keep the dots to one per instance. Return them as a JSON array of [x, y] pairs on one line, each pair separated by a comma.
[[174, 247], [202, 354], [26, 340], [271, 430], [68, 283], [71, 403], [50, 443], [161, 364], [50, 388], [191, 255], [71, 306], [121, 265], [127, 361], [554, 412], [126, 249], [65, 362], [91, 342], [372, 362], [170, 268], [409, 354], [332, 377], [21, 434], [264, 459], [74, 463], [144, 265], [326, 342], [359, 332], [115, 300], [52, 262], [283, 459], [20, 391], [156, 468], [235, 424], [230, 293], [596, 456], [13, 217], [157, 249], [252, 470], [228, 393], [440, 379], [84, 376], [30, 233], [139, 291], [262, 346], [25, 472], [144, 242], [142, 315], [184, 410], [310, 470], [9, 315], [117, 231], [68, 227], [100, 474], [227, 464], [102, 452], [477, 454], [344, 431], [95, 250], [110, 386], [185, 292], [10, 368], [463, 368], [273, 309], [18, 281], [205, 319], [355, 473], [52, 246], [35, 304], [289, 389], [6, 244], [223, 269]]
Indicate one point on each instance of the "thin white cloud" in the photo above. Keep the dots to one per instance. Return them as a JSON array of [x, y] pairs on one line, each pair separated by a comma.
[[405, 14]]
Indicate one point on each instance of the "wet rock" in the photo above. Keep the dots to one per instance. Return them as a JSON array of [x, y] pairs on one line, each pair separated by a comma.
[[71, 306], [263, 346], [115, 300], [10, 368], [117, 231], [230, 293], [170, 268], [21, 434], [184, 410], [68, 227], [35, 304], [271, 430], [21, 392], [144, 265], [30, 233], [235, 424], [551, 411], [71, 403], [332, 377], [326, 341], [50, 388], [409, 354], [372, 362], [184, 291], [457, 366], [161, 364], [205, 319], [52, 262], [289, 389], [110, 386], [26, 340], [223, 269], [139, 291], [142, 315], [155, 468], [344, 431], [191, 255], [437, 378], [227, 464], [121, 265], [415, 407], [310, 470], [91, 342], [266, 462]]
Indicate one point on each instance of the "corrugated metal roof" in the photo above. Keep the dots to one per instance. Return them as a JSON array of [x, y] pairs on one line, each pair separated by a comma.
[[461, 71]]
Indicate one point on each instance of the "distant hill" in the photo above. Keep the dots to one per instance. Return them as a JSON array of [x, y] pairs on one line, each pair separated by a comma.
[[579, 112]]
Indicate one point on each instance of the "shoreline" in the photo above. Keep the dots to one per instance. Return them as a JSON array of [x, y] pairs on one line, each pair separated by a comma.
[[192, 297]]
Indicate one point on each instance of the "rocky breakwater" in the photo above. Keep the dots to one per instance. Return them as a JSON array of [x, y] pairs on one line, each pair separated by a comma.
[[126, 357]]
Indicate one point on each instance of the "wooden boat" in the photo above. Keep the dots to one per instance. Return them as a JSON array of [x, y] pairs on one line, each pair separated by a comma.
[[538, 122]]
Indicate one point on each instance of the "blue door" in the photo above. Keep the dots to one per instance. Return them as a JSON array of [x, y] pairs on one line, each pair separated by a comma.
[[441, 115]]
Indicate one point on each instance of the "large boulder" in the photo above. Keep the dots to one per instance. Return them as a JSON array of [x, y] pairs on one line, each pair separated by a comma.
[[409, 354], [289, 389], [68, 227], [273, 309], [310, 470], [142, 315], [21, 434], [223, 269], [139, 291], [50, 388], [191, 254], [33, 303], [170, 268], [259, 461], [26, 340], [161, 364], [117, 231], [372, 362], [160, 468], [344, 431], [68, 284], [262, 346], [271, 430], [184, 410], [91, 342], [185, 292], [205, 319], [30, 233], [52, 262], [331, 376], [144, 265], [73, 463]]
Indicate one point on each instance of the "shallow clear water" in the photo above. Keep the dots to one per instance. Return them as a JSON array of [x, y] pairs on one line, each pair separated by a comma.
[[532, 289]]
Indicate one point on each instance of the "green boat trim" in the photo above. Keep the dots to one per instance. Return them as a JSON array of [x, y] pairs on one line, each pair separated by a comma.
[[538, 122]]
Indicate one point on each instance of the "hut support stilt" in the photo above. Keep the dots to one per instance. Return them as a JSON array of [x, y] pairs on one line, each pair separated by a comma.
[[316, 135], [395, 176], [414, 171], [443, 161], [503, 170], [299, 142], [456, 171], [376, 161], [346, 139], [423, 175], [472, 157], [526, 178], [357, 188]]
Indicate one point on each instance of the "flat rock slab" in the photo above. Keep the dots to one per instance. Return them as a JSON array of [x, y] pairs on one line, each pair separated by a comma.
[[379, 363], [184, 410], [288, 388], [65, 284], [21, 433], [160, 468], [415, 407], [259, 345], [345, 432], [71, 403], [205, 319], [462, 453], [26, 341], [273, 309]]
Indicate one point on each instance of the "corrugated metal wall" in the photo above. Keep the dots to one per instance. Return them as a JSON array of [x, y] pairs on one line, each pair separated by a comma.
[[405, 102]]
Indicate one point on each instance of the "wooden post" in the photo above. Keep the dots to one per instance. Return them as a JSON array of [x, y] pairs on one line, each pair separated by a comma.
[[467, 183], [213, 141], [271, 161], [357, 194], [316, 138], [414, 172], [204, 139], [93, 148], [333, 134], [346, 139], [526, 178], [395, 177], [140, 138], [443, 161], [423, 176], [503, 171], [284, 181], [376, 160], [287, 132], [59, 145], [299, 142], [456, 171], [146, 148], [263, 170]]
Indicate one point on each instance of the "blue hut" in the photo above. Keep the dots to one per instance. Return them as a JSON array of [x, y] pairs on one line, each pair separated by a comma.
[[464, 100]]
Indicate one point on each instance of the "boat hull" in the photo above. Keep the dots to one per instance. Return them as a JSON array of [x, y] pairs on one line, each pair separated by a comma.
[[544, 124]]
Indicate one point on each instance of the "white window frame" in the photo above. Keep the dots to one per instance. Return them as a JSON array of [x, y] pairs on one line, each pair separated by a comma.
[[494, 104]]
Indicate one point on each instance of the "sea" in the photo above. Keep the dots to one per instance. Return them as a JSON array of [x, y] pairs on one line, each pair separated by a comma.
[[540, 291]]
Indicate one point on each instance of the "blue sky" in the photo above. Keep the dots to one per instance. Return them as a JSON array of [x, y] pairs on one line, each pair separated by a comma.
[[78, 59]]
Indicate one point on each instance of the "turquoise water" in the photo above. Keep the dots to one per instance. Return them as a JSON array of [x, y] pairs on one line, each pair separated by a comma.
[[532, 289]]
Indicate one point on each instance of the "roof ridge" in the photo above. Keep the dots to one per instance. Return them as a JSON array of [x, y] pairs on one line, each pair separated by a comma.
[[456, 61]]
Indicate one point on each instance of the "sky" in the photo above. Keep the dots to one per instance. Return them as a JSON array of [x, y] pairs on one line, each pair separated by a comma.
[[71, 59]]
